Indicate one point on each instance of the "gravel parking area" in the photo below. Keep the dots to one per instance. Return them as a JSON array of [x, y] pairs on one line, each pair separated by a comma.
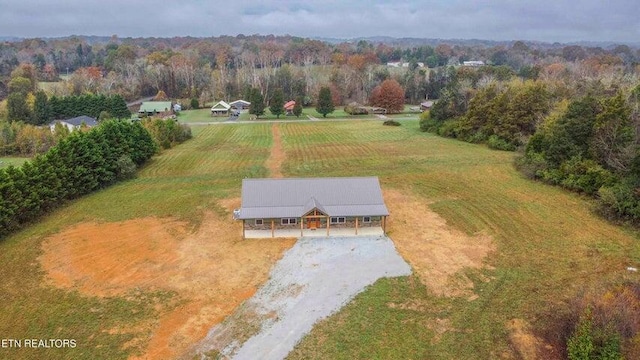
[[314, 279]]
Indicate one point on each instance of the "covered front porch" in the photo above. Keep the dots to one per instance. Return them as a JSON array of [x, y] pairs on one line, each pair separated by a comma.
[[296, 233]]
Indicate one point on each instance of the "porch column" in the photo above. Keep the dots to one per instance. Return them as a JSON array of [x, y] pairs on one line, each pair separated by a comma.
[[384, 225], [243, 235], [301, 226], [356, 225], [328, 222], [273, 228]]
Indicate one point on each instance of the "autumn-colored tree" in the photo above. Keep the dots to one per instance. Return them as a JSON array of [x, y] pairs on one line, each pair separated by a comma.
[[389, 95], [336, 94], [160, 96]]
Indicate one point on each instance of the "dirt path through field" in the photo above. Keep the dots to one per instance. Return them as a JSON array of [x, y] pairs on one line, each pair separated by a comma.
[[277, 156], [436, 251], [211, 271]]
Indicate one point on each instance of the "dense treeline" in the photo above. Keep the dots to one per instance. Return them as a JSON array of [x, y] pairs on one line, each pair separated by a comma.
[[583, 136], [225, 67], [166, 133], [27, 140], [79, 164], [96, 106], [27, 104], [590, 145], [504, 117]]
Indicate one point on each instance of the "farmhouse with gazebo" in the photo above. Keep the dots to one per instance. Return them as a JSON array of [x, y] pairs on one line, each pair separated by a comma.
[[296, 207]]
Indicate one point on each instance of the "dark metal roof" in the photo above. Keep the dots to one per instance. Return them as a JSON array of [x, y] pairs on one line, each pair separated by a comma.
[[278, 198], [77, 121]]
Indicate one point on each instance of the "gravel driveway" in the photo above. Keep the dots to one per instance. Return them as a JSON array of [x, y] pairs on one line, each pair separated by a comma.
[[314, 279]]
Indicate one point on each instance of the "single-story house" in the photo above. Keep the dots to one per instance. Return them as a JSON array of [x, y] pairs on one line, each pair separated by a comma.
[[311, 206], [74, 123], [473, 63], [155, 107], [240, 104], [288, 107], [426, 105], [375, 110], [221, 108]]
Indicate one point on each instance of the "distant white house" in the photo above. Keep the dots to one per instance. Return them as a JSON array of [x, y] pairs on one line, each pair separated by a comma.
[[177, 107], [74, 123], [220, 108], [240, 104], [473, 63], [426, 105], [399, 64]]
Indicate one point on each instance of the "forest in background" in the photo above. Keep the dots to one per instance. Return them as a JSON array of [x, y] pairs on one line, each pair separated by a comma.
[[225, 67], [572, 111]]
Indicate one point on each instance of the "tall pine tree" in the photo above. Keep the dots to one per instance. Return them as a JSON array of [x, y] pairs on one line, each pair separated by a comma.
[[277, 103], [325, 103], [42, 113], [257, 103]]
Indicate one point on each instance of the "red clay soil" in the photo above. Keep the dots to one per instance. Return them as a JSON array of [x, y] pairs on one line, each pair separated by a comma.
[[212, 270], [277, 156]]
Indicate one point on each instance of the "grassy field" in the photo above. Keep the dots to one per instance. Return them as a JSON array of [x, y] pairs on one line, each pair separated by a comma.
[[181, 183], [15, 161], [549, 245]]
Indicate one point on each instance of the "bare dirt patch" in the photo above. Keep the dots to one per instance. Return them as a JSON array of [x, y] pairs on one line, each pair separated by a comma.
[[277, 156], [211, 270], [435, 250]]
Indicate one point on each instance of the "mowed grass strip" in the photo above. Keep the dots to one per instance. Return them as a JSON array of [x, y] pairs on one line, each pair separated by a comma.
[[181, 183], [15, 161], [549, 243]]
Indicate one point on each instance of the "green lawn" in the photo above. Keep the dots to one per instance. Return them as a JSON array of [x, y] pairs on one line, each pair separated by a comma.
[[15, 161], [182, 182], [199, 115], [549, 244]]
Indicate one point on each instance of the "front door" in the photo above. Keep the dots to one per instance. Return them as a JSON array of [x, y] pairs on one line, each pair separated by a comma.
[[313, 224]]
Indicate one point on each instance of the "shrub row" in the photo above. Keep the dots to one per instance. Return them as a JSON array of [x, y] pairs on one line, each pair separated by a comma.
[[79, 164]]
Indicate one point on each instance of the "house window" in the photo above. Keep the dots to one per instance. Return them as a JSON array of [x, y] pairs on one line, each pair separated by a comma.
[[366, 219], [288, 221], [259, 221], [338, 220]]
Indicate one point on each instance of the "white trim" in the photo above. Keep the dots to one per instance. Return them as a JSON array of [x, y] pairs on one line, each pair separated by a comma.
[[338, 220]]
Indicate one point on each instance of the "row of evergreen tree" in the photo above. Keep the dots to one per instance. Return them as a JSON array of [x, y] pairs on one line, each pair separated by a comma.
[[112, 106], [45, 109], [79, 164]]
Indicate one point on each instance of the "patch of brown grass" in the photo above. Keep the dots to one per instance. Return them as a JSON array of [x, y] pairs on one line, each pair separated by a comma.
[[526, 344], [436, 251], [211, 270]]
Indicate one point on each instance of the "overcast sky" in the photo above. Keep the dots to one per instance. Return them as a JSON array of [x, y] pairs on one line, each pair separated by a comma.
[[545, 20]]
